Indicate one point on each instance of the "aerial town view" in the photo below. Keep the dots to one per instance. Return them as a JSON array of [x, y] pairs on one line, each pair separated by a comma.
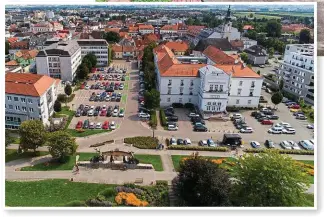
[[160, 106]]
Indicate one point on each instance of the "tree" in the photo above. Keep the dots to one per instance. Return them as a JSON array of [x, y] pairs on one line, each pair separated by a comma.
[[68, 89], [83, 71], [61, 144], [268, 179], [304, 36], [276, 98], [57, 106], [111, 37], [189, 21], [251, 15], [8, 138], [244, 57], [301, 102], [88, 63], [271, 52], [258, 72], [281, 84], [273, 28], [92, 58], [202, 183], [7, 47], [152, 99], [32, 134]]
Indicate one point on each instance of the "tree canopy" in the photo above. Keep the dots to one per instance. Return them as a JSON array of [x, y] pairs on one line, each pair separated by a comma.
[[61, 144], [305, 36], [8, 138], [68, 89], [111, 37], [276, 98], [152, 99], [32, 134], [244, 57], [92, 58], [57, 106], [273, 28]]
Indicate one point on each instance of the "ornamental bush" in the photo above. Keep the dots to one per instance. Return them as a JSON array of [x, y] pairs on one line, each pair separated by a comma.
[[197, 148], [283, 151]]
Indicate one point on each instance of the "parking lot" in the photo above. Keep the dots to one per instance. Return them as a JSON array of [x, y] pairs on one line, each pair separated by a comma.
[[82, 96]]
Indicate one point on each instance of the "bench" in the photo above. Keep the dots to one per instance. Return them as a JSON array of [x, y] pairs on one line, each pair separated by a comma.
[[138, 181]]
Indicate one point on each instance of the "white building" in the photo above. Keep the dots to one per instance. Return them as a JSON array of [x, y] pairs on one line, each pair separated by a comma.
[[297, 71], [59, 60], [29, 97], [212, 87], [248, 42], [41, 27], [145, 29], [99, 47], [50, 14]]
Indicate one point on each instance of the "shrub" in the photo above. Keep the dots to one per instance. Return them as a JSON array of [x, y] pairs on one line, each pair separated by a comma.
[[70, 98], [162, 182], [76, 203], [129, 199], [197, 148], [102, 143], [153, 119], [177, 105], [61, 97], [282, 151], [232, 109], [134, 190], [142, 142], [96, 203], [162, 118], [167, 141]]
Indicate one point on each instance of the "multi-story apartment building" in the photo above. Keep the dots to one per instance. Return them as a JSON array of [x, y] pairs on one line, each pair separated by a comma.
[[29, 97], [169, 29], [145, 29], [219, 81], [297, 71], [59, 60], [41, 27], [99, 47]]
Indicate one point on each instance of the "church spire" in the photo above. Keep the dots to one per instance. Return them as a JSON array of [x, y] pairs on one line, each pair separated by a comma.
[[228, 14]]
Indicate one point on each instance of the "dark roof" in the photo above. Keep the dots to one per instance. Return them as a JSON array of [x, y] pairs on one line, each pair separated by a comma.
[[97, 34], [90, 42], [221, 43], [232, 136], [256, 50], [63, 48]]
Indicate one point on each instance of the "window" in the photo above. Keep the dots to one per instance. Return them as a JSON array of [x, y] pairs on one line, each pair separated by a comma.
[[191, 83], [208, 108], [169, 90], [9, 98], [221, 88], [253, 84], [170, 82], [169, 99], [211, 87], [23, 100], [213, 108], [249, 102], [17, 107], [216, 87], [181, 90], [214, 103], [16, 99], [180, 100], [241, 83], [189, 100], [31, 109], [24, 108], [10, 106], [190, 93], [208, 103], [251, 92], [181, 82], [237, 101], [239, 92], [30, 101]]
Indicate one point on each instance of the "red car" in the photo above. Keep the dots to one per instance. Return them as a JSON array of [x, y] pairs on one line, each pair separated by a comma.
[[266, 122], [103, 113], [294, 106], [79, 125], [105, 125]]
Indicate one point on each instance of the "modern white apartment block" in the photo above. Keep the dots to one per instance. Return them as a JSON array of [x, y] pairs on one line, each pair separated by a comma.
[[41, 27], [59, 60], [29, 97], [99, 47], [217, 82], [297, 71]]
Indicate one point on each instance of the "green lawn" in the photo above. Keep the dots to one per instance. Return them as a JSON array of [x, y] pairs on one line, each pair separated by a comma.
[[86, 132], [11, 154], [310, 178], [16, 140], [124, 98], [126, 86], [49, 192], [256, 15], [68, 165], [127, 78], [155, 160]]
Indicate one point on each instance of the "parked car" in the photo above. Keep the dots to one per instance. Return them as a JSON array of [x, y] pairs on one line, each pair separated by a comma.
[[236, 116], [105, 125], [173, 141], [180, 141], [294, 106], [172, 118], [143, 115], [172, 127], [301, 117], [298, 112], [255, 144], [269, 143], [112, 125], [90, 112], [121, 113], [78, 113], [273, 117], [203, 143], [240, 126], [310, 126], [98, 125], [211, 143], [294, 145], [192, 114], [200, 128], [246, 130], [285, 145], [92, 125], [79, 125], [306, 144], [266, 122], [187, 141], [288, 130], [275, 130], [86, 124], [115, 113]]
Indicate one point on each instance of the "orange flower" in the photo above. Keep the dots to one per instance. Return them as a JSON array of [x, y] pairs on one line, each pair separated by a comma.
[[129, 199], [310, 172], [218, 161]]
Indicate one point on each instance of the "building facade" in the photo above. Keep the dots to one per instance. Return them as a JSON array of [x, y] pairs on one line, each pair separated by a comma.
[[59, 60], [29, 97], [41, 27], [99, 47], [297, 71]]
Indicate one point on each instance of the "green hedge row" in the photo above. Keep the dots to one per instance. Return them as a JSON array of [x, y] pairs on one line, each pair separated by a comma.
[[162, 118], [102, 143], [197, 148], [142, 142], [282, 151], [153, 119]]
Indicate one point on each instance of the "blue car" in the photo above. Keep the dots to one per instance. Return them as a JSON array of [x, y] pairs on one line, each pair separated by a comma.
[[255, 144], [211, 143]]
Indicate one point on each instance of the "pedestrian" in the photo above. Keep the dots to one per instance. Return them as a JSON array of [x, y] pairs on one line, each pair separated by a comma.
[[77, 169]]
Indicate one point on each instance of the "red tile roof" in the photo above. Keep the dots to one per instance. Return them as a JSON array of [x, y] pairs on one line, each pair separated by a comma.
[[177, 46], [145, 27], [27, 54], [248, 27], [170, 27], [28, 84], [12, 63], [218, 56], [237, 43], [238, 71], [13, 39]]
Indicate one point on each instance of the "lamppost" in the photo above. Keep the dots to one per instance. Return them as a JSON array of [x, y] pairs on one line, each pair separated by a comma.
[[153, 132]]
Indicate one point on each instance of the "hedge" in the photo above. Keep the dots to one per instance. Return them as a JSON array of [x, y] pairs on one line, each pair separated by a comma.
[[142, 142], [75, 203], [237, 109], [197, 148], [282, 151], [153, 119], [162, 118], [102, 143], [65, 99], [167, 141]]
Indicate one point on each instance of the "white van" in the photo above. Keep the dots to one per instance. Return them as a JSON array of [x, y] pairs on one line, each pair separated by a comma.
[[275, 130]]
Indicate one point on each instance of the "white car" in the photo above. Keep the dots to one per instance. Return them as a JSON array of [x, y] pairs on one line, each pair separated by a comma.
[[107, 99], [255, 144], [172, 127], [275, 130], [289, 130], [246, 130], [192, 114], [294, 145], [90, 112], [143, 115], [234, 116], [115, 113], [112, 125], [310, 126], [92, 107], [203, 143], [173, 141], [187, 141], [98, 125], [285, 145], [301, 117], [87, 87], [284, 124]]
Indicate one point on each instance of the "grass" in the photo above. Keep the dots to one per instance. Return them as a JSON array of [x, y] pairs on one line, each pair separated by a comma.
[[16, 140], [49, 193], [86, 132], [126, 86], [309, 177], [11, 154], [155, 160], [124, 98], [309, 200], [256, 15], [127, 78], [65, 112]]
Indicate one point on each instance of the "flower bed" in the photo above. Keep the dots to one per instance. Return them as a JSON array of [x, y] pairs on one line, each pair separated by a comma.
[[197, 148], [129, 199], [142, 142], [300, 152]]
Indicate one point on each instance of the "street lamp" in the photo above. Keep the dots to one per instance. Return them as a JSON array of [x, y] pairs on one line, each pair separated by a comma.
[[153, 132]]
